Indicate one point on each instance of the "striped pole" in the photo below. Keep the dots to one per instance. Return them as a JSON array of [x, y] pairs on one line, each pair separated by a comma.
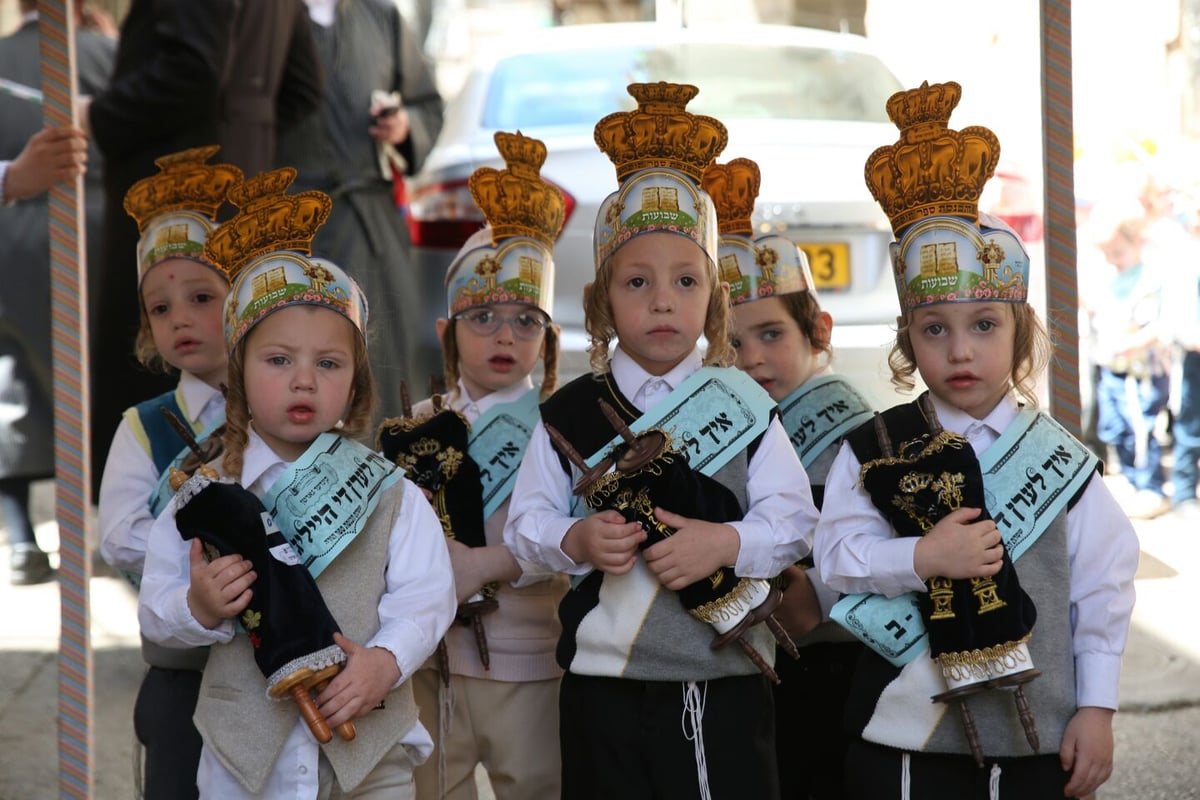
[[1062, 290], [68, 321]]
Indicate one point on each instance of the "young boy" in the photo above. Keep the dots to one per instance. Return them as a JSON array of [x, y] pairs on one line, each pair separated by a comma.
[[651, 704], [994, 568]]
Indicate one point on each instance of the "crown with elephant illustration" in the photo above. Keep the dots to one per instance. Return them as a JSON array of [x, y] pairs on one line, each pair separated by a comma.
[[754, 268], [512, 259], [660, 151], [175, 210], [266, 248], [929, 183]]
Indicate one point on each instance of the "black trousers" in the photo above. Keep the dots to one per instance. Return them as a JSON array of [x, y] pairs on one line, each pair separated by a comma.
[[626, 739], [810, 704], [162, 720], [874, 773]]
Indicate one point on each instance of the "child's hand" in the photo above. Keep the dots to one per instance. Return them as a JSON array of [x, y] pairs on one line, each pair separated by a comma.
[[369, 674], [220, 589], [957, 548], [696, 550], [1087, 750], [800, 610], [604, 540]]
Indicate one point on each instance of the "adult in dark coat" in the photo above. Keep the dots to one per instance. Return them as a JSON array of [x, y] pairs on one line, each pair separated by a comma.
[[187, 74], [366, 47], [26, 390]]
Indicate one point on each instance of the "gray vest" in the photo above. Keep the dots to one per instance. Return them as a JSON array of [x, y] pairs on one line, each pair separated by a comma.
[[1044, 572], [246, 729]]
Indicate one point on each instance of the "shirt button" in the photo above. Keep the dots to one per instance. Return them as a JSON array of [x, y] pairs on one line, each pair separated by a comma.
[[303, 770]]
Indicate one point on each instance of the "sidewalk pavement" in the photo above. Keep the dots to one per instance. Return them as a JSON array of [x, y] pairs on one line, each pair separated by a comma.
[[1161, 667]]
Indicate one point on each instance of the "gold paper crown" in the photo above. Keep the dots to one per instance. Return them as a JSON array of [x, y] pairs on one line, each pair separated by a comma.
[[516, 200], [931, 170], [661, 132], [733, 188], [185, 182], [267, 220]]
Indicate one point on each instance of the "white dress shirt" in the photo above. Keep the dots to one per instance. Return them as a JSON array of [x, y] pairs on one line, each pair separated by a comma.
[[461, 400], [775, 532], [130, 478], [416, 610], [856, 550]]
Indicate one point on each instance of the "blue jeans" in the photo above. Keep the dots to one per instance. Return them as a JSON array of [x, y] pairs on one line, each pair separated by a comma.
[[1187, 431], [1125, 405]]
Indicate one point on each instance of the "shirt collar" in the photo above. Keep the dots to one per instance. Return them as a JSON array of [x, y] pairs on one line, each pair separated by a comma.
[[322, 12], [462, 400], [631, 378], [260, 462], [196, 395], [959, 421]]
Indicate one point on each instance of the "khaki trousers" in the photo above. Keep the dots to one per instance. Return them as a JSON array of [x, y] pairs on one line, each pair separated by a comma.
[[509, 728], [391, 779]]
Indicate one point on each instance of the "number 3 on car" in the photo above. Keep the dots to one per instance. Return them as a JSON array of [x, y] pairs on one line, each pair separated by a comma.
[[830, 263]]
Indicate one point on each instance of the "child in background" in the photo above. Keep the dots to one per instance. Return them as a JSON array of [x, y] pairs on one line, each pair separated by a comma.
[[498, 706], [782, 340], [966, 327], [639, 665], [182, 294], [300, 391], [1133, 351]]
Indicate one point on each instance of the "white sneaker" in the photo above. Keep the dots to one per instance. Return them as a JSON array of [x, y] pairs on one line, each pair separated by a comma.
[[1147, 505]]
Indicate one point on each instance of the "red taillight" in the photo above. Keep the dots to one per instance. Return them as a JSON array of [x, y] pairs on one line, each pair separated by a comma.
[[569, 204], [445, 214]]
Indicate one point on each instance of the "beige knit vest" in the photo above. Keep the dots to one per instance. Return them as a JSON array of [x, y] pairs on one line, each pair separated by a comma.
[[246, 729]]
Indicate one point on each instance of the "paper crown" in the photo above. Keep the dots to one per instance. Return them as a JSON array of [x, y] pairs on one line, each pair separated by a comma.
[[661, 132], [660, 151], [754, 268], [512, 259], [175, 209], [929, 184], [279, 280], [931, 170], [949, 260], [267, 220]]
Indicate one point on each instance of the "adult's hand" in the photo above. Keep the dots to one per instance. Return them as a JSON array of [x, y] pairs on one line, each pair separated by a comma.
[[51, 155]]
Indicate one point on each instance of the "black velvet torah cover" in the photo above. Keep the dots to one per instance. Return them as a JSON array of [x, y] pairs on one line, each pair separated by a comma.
[[432, 452], [927, 477], [287, 620]]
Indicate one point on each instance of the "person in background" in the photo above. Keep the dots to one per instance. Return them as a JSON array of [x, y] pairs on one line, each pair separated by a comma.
[[182, 295], [32, 158], [782, 339], [187, 74], [502, 674], [1134, 354], [376, 124]]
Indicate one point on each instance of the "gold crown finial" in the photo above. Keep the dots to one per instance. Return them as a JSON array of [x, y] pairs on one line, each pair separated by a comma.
[[517, 200], [661, 132], [932, 170], [733, 188], [185, 181], [267, 220]]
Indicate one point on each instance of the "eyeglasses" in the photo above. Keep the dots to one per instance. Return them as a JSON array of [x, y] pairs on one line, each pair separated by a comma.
[[526, 325]]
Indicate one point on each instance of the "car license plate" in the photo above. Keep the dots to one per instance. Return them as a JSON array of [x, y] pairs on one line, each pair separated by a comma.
[[830, 263]]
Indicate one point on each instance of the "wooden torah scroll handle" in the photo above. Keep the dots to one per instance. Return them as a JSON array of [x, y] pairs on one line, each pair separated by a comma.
[[295, 687], [346, 730]]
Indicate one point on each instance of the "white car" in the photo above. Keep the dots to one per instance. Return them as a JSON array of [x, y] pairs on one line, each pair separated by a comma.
[[808, 106]]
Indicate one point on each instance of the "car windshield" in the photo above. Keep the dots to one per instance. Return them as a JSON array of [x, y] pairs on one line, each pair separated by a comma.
[[737, 81]]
